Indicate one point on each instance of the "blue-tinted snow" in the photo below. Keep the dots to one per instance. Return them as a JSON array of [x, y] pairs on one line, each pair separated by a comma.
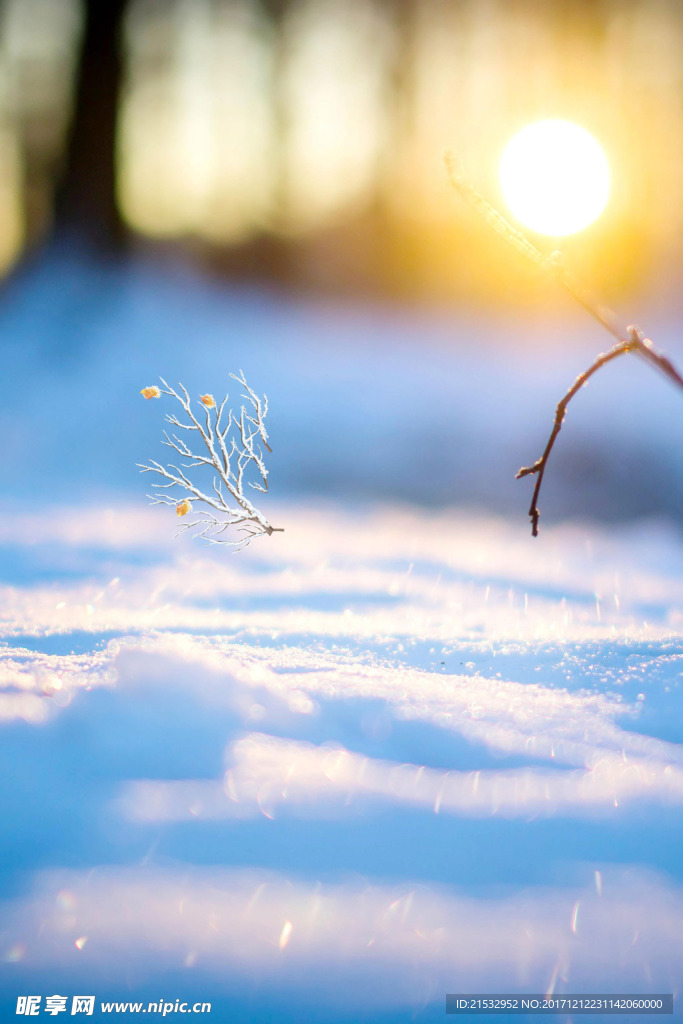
[[399, 750]]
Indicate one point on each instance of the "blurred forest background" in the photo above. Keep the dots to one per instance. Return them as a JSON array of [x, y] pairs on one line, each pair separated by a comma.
[[302, 141], [190, 188]]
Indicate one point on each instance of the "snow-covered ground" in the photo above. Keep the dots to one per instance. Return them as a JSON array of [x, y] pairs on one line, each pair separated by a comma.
[[393, 752]]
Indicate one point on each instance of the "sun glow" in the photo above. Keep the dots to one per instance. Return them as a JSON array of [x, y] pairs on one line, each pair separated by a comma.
[[555, 177]]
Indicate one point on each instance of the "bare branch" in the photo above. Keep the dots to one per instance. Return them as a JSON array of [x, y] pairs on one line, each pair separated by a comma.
[[629, 340], [230, 459], [260, 410], [539, 466]]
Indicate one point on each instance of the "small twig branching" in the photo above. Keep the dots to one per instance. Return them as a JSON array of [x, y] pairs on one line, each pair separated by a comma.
[[630, 339], [231, 449]]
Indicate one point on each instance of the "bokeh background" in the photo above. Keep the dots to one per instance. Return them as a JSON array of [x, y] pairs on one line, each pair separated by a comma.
[[401, 748], [301, 141]]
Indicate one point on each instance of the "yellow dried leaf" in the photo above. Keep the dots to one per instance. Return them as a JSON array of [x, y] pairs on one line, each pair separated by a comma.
[[183, 507], [151, 392], [208, 401]]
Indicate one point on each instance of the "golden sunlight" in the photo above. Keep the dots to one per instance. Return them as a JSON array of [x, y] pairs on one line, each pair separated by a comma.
[[555, 177]]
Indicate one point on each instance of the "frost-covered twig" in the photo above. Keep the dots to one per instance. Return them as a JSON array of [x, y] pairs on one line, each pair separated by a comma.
[[231, 450], [629, 340]]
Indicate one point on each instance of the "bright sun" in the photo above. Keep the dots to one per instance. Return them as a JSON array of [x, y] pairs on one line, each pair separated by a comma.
[[555, 177]]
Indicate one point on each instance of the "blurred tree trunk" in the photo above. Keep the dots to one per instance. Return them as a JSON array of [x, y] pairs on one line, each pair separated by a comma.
[[85, 200]]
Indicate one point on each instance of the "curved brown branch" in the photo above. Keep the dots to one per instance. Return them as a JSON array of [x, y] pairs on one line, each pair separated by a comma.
[[539, 466], [633, 342]]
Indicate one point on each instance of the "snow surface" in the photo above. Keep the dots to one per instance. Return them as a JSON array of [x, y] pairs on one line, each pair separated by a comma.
[[393, 752]]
